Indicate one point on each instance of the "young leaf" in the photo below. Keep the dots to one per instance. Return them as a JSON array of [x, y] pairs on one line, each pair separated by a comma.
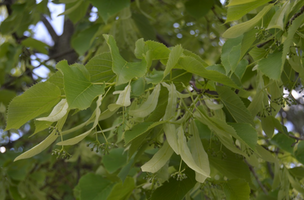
[[57, 113], [159, 159], [174, 56], [198, 153], [33, 102], [79, 90], [148, 106]]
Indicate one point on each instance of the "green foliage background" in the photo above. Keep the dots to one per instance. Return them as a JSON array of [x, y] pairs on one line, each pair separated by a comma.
[[186, 99]]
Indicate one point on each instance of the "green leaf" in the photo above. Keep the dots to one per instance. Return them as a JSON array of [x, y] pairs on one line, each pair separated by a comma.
[[231, 53], [114, 160], [198, 153], [174, 56], [94, 187], [122, 191], [178, 189], [236, 189], [148, 106], [155, 50], [239, 29], [79, 90], [19, 170], [283, 142], [124, 70], [76, 10], [234, 105], [40, 126], [144, 26], [159, 159], [35, 44], [191, 65], [237, 10], [39, 147], [299, 151], [220, 128], [229, 165], [290, 37], [140, 129], [239, 2], [155, 77], [272, 65], [277, 21], [198, 8], [108, 8], [100, 68], [82, 41], [186, 154], [246, 133], [33, 102]]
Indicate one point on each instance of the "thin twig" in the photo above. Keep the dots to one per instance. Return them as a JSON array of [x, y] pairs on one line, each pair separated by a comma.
[[256, 177]]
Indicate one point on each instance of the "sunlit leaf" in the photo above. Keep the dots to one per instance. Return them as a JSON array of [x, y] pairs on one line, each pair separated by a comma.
[[80, 91], [33, 102], [239, 29]]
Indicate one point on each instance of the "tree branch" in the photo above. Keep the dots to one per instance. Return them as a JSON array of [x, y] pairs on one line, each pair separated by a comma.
[[50, 28], [256, 177], [294, 17]]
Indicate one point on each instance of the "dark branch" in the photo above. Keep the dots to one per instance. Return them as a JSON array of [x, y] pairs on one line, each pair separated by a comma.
[[294, 17], [50, 28]]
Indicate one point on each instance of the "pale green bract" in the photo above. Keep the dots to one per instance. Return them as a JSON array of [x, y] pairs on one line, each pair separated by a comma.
[[57, 113], [123, 98], [159, 159], [148, 106]]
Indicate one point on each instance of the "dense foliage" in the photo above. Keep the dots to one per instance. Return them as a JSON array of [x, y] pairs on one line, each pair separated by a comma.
[[157, 99]]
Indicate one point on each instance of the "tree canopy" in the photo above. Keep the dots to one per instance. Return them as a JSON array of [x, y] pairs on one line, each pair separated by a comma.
[[156, 99]]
